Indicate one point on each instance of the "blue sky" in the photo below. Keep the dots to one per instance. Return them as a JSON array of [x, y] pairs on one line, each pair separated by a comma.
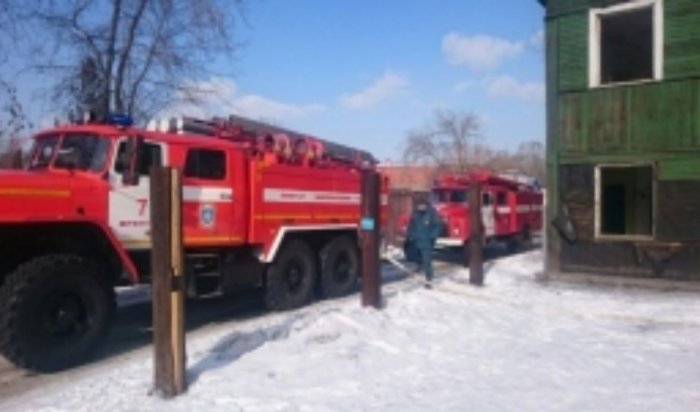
[[364, 72]]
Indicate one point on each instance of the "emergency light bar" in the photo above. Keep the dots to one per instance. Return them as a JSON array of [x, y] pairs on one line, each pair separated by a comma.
[[119, 120]]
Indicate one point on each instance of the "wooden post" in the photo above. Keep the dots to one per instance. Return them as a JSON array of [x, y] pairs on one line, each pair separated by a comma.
[[168, 282], [369, 238], [476, 236]]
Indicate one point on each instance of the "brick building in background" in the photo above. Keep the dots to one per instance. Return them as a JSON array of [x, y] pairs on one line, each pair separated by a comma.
[[412, 178]]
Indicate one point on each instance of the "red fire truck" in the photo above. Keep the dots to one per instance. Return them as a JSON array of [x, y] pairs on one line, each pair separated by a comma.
[[511, 208], [263, 207]]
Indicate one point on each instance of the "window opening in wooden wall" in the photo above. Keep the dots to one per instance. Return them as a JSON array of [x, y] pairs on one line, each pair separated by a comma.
[[627, 46], [626, 201]]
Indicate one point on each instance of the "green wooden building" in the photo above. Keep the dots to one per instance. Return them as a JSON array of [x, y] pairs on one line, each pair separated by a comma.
[[623, 137]]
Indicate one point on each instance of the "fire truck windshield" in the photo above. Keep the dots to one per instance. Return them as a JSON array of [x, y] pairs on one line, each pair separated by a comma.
[[85, 152], [450, 196]]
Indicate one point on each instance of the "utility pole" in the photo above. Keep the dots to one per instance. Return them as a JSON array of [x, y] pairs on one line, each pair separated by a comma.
[[476, 236], [168, 282], [369, 238]]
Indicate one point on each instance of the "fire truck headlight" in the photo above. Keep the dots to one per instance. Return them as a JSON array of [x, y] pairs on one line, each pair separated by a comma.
[[456, 231]]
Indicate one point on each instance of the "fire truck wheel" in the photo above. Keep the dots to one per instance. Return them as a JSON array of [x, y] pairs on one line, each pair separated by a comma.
[[340, 267], [291, 277], [54, 310]]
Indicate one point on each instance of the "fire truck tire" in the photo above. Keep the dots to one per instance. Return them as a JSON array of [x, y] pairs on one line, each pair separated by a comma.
[[291, 277], [54, 311], [340, 267]]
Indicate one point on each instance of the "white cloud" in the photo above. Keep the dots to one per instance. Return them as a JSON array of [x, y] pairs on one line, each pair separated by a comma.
[[537, 40], [509, 87], [462, 86], [385, 87], [479, 52], [261, 107], [219, 96]]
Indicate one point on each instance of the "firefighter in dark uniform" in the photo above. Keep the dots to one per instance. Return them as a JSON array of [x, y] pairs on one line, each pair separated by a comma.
[[423, 230]]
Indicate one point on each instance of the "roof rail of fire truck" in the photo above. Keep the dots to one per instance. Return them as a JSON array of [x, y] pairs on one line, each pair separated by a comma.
[[517, 176], [240, 129], [518, 180]]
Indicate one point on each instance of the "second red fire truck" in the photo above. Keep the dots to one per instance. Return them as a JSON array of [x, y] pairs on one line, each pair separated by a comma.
[[511, 208]]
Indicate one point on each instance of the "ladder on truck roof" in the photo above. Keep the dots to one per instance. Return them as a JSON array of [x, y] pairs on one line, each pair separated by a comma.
[[244, 126]]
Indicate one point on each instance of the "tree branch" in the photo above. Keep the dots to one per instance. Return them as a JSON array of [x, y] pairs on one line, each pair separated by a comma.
[[109, 65], [125, 54]]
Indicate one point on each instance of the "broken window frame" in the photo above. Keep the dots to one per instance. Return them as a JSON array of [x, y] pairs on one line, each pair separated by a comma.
[[595, 48], [597, 183]]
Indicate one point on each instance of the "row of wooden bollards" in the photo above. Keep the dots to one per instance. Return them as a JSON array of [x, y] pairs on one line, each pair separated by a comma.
[[168, 277]]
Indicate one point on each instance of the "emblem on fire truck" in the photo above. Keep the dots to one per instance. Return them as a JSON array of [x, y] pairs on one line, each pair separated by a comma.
[[207, 216]]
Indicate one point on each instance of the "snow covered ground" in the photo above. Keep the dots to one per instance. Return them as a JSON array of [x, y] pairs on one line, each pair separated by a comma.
[[513, 345]]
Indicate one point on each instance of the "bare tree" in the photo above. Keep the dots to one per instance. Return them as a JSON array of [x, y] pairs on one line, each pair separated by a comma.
[[13, 120], [452, 142], [129, 56], [530, 159]]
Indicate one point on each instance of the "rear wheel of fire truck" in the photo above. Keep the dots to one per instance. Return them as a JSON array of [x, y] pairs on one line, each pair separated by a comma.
[[291, 277], [340, 267], [54, 311]]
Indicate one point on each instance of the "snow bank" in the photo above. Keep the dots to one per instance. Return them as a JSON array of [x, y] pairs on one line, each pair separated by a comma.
[[514, 345]]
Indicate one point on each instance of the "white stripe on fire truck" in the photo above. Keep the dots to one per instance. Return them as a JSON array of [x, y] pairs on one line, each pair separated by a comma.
[[306, 196], [520, 209], [207, 194], [283, 230]]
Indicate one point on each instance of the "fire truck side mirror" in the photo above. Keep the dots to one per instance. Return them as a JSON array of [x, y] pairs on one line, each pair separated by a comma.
[[134, 153]]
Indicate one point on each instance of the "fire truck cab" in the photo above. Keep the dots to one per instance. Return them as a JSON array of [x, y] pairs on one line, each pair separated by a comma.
[[263, 207]]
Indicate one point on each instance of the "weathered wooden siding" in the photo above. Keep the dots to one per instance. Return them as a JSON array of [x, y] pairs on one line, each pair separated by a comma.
[[577, 194], [573, 53], [626, 259], [638, 119], [682, 42], [680, 169]]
